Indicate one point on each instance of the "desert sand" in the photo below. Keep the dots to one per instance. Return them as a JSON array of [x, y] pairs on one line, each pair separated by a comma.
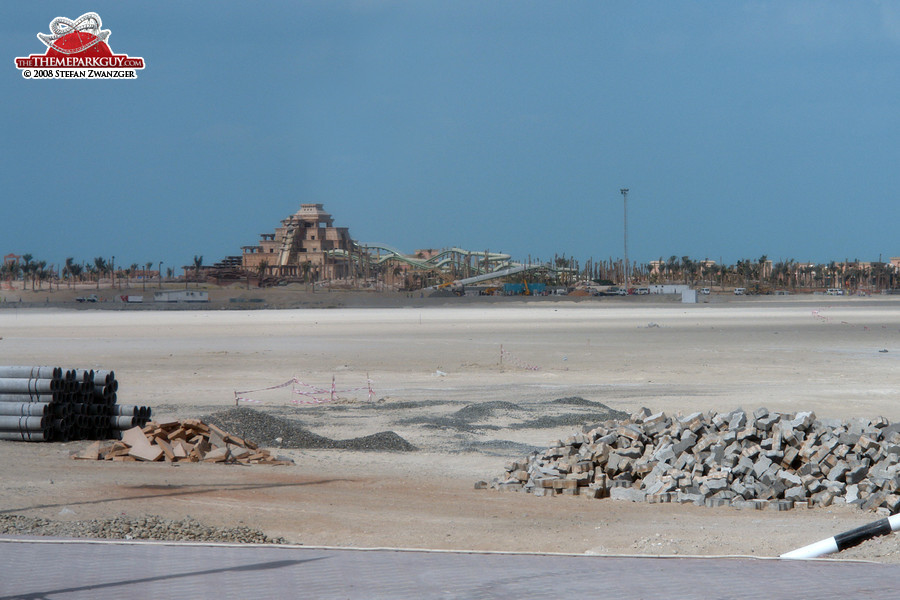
[[427, 359]]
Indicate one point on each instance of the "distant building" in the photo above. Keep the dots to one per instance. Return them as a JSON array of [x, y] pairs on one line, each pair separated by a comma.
[[307, 243], [180, 296]]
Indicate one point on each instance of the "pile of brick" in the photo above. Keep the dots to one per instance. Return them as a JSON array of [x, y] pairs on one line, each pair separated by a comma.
[[756, 460], [190, 440]]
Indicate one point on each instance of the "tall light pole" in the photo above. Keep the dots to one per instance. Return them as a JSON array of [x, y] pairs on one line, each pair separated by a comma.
[[624, 192]]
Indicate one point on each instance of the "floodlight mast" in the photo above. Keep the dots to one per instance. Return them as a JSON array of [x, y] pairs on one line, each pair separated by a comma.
[[624, 192]]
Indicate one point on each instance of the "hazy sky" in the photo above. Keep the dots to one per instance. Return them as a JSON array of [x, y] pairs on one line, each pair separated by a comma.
[[741, 128]]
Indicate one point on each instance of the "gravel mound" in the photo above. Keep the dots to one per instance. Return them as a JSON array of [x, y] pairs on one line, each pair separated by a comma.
[[385, 440], [499, 447], [579, 401], [268, 430], [407, 405], [127, 528], [483, 410], [565, 420]]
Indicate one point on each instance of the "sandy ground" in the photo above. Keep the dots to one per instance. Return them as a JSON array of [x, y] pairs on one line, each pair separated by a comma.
[[427, 359]]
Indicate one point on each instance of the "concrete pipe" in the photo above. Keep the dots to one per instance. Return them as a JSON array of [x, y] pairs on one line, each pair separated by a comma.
[[25, 409], [103, 395], [122, 422], [25, 436], [27, 398], [130, 410], [104, 377], [83, 375], [32, 387], [22, 423], [16, 372], [60, 409], [24, 385]]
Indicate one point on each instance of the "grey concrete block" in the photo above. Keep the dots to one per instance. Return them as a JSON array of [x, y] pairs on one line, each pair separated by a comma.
[[737, 420], [795, 493], [788, 477], [761, 465], [856, 475], [631, 494], [803, 420], [760, 413], [838, 472], [874, 501]]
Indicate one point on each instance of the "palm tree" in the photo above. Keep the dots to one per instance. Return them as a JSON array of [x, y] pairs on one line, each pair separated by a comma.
[[100, 268], [26, 269], [689, 268], [67, 270], [40, 273], [144, 278], [761, 268], [261, 271], [75, 270], [12, 269], [132, 272], [198, 262]]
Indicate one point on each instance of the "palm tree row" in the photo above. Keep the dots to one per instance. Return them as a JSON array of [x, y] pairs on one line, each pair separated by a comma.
[[763, 275], [72, 273]]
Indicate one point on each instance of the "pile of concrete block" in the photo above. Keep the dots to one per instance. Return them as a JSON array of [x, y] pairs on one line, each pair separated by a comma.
[[746, 460], [190, 440]]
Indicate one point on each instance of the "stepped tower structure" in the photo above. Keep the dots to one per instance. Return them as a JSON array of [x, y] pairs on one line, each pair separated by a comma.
[[307, 245]]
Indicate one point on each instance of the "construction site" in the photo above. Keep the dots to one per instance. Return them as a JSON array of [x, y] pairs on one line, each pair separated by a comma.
[[308, 248]]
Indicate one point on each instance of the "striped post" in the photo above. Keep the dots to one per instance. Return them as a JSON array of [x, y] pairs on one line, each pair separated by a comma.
[[848, 539]]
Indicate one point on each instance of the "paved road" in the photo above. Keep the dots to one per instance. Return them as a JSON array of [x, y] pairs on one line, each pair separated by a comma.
[[50, 569]]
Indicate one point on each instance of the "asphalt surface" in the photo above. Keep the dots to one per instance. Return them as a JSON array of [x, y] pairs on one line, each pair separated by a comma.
[[54, 569]]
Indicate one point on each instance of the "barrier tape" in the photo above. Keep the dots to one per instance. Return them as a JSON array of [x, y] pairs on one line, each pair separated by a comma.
[[313, 394], [515, 361]]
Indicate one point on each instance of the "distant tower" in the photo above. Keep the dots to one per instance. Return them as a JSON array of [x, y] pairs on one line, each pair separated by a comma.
[[624, 192]]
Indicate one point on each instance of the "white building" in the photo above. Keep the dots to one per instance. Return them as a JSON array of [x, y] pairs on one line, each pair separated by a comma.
[[181, 296]]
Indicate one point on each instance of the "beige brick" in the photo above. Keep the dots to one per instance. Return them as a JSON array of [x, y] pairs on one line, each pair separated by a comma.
[[148, 453]]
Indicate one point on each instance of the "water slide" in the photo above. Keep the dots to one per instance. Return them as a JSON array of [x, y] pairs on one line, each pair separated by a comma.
[[502, 267]]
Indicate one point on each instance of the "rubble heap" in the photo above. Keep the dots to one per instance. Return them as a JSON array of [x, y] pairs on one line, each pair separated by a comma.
[[756, 460], [190, 440]]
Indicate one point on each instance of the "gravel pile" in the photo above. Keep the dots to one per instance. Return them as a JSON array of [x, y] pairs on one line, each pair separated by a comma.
[[596, 413], [126, 528], [268, 430]]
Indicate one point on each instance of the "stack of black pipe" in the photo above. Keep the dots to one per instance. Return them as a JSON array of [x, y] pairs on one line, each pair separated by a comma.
[[43, 404]]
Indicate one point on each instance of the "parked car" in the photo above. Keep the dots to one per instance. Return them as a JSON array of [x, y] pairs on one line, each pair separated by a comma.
[[740, 291], [835, 292], [704, 291], [642, 291], [88, 298]]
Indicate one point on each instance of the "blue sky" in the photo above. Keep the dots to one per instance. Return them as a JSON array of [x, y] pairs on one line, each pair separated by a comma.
[[741, 129]]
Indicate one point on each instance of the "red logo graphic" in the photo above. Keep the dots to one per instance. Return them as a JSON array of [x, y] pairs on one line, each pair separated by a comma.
[[78, 49]]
